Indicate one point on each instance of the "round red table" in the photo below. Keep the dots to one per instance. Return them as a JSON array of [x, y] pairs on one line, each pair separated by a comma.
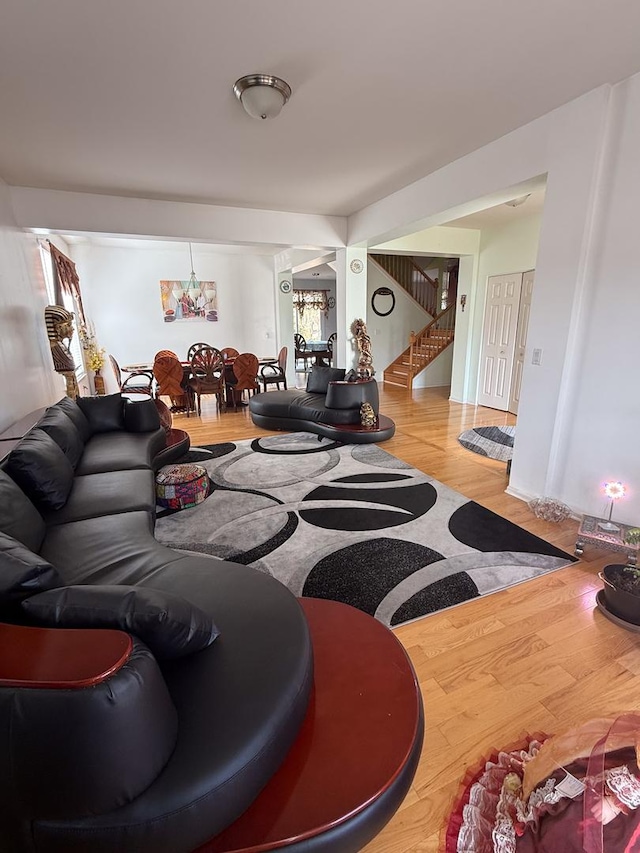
[[362, 731]]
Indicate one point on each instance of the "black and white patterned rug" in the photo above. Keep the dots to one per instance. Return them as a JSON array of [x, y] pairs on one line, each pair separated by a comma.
[[493, 441], [354, 524]]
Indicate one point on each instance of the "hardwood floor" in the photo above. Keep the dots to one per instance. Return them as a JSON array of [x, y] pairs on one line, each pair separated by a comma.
[[536, 657]]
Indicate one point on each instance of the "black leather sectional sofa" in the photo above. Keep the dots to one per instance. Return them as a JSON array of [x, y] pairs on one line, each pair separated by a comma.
[[221, 719], [329, 407], [174, 745]]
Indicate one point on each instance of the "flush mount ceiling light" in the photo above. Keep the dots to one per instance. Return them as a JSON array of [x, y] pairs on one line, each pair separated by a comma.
[[516, 202], [262, 95]]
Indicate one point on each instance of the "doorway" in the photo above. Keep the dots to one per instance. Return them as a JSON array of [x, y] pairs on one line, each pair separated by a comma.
[[504, 339]]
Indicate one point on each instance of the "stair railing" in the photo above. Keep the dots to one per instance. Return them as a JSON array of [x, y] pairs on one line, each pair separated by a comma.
[[412, 278], [421, 344]]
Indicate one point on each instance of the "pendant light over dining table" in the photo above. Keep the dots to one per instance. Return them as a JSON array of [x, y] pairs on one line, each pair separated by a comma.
[[262, 95]]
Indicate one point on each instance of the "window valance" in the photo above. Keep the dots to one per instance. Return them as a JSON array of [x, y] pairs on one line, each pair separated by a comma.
[[317, 300]]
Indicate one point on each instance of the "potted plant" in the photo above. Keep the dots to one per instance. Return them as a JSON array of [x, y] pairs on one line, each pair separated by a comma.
[[93, 356], [622, 586]]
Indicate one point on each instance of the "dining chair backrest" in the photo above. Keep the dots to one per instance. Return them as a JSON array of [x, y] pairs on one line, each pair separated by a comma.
[[229, 352], [138, 382], [193, 349], [331, 341], [299, 342], [165, 352], [169, 374], [282, 359], [245, 369], [207, 364], [116, 370]]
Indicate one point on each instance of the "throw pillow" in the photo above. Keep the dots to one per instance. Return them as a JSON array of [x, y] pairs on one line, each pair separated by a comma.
[[171, 626], [105, 414], [141, 416], [72, 410], [41, 469], [64, 432], [22, 573], [320, 377]]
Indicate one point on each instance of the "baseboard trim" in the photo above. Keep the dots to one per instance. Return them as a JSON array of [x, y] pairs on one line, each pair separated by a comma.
[[527, 497]]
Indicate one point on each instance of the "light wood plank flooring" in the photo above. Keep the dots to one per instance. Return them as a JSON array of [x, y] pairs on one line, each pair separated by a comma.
[[536, 657]]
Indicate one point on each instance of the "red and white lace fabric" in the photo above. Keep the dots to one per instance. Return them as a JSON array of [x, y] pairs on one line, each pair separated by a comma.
[[495, 816]]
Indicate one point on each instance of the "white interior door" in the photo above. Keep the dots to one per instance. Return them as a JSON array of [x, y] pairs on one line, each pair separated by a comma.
[[499, 340], [521, 339]]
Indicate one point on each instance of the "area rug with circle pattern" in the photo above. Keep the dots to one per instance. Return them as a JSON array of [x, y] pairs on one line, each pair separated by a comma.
[[496, 442], [352, 523]]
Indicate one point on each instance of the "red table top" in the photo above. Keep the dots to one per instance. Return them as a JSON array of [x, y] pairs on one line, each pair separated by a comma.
[[359, 731]]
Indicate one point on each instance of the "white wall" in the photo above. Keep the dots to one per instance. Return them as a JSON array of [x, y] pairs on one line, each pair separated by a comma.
[[27, 378], [568, 145], [603, 401], [121, 294]]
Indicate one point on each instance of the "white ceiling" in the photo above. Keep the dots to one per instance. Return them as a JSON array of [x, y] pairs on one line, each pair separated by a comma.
[[134, 97]]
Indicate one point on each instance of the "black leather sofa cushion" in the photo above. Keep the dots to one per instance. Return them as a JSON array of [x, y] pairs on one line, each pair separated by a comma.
[[121, 451], [73, 411], [20, 518], [96, 495], [300, 405], [41, 469], [74, 752], [319, 378], [105, 414], [64, 432], [110, 549], [170, 625], [240, 703], [313, 407], [23, 573]]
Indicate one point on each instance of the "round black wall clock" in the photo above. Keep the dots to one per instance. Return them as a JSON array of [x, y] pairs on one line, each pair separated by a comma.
[[383, 291]]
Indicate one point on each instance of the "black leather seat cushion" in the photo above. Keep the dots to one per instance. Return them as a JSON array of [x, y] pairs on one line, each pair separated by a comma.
[[311, 407], [112, 492], [110, 549], [240, 703], [120, 451], [301, 405]]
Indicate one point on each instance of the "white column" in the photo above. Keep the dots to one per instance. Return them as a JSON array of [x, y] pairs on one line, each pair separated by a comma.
[[284, 322], [351, 302]]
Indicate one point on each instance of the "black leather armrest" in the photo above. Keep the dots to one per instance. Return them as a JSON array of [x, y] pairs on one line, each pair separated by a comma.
[[76, 746], [351, 395], [141, 416]]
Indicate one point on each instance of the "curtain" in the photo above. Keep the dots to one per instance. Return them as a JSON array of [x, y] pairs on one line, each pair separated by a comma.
[[65, 277], [315, 299]]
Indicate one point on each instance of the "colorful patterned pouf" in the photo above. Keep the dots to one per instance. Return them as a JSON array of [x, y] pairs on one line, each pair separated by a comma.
[[181, 486]]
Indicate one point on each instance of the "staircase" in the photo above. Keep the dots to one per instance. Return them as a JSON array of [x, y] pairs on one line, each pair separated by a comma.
[[404, 270], [422, 350]]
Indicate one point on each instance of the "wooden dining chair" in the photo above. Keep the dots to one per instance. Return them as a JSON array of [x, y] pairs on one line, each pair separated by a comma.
[[274, 374], [245, 370], [169, 376], [331, 342], [301, 352], [137, 382], [207, 376], [194, 348], [229, 352]]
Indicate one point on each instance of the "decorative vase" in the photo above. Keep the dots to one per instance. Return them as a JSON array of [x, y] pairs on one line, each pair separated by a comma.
[[98, 383]]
